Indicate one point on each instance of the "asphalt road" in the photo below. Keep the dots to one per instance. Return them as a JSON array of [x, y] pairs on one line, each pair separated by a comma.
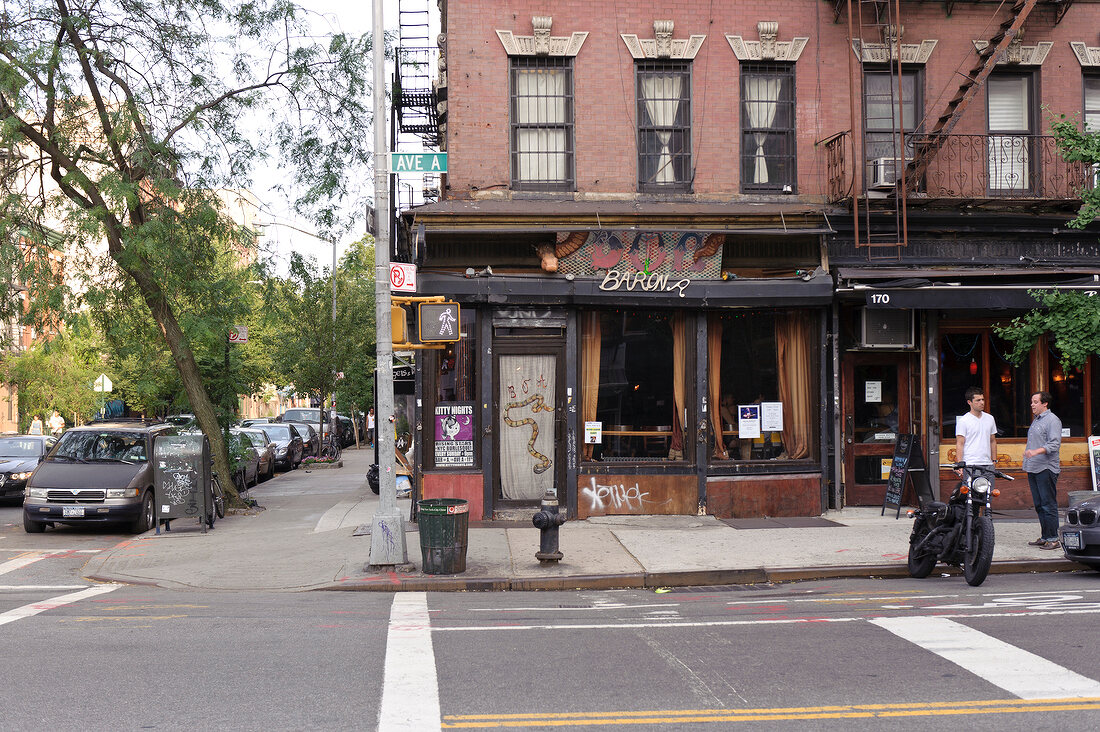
[[851, 654]]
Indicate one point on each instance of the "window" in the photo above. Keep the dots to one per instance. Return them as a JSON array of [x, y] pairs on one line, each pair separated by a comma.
[[767, 127], [1092, 103], [977, 358], [542, 123], [634, 380], [1067, 391], [779, 380], [451, 385], [664, 126], [883, 116], [1010, 129]]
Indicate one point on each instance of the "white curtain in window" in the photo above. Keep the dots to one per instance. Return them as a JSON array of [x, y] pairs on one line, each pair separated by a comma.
[[1008, 154], [762, 97], [662, 103], [540, 100]]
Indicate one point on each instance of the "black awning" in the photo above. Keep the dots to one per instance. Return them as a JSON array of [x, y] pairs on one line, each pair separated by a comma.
[[964, 291], [557, 290]]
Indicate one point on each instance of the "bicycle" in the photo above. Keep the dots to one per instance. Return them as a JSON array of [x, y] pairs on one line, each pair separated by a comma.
[[330, 449]]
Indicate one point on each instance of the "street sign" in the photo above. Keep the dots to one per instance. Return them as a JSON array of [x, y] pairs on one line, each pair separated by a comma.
[[428, 162], [102, 383], [238, 334], [402, 277], [439, 322]]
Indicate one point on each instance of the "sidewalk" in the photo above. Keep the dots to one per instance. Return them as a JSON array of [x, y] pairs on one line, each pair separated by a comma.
[[313, 534]]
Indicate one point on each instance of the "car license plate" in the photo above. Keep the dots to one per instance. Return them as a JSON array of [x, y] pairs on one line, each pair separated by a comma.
[[1071, 539], [72, 512]]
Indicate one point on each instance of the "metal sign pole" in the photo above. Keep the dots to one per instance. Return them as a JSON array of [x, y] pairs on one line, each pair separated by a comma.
[[387, 542]]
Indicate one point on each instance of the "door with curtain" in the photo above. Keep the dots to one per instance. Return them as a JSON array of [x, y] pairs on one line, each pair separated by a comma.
[[528, 423], [876, 407]]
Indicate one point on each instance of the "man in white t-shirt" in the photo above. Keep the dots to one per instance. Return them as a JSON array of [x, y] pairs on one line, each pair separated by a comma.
[[976, 432]]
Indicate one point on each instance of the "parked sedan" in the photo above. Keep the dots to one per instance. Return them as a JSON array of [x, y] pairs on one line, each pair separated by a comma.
[[1080, 534], [288, 445], [311, 441], [19, 456], [248, 461], [265, 447]]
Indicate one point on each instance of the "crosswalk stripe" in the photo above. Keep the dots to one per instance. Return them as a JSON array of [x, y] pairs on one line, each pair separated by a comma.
[[19, 562], [1015, 670], [410, 687], [61, 600]]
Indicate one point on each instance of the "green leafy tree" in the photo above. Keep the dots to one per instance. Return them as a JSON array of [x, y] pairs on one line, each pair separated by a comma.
[[57, 374], [356, 322], [124, 118]]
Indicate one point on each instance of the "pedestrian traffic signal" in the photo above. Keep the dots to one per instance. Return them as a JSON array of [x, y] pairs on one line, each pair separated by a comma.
[[439, 322]]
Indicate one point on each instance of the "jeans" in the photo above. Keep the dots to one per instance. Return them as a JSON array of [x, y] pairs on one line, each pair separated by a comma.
[[1044, 494]]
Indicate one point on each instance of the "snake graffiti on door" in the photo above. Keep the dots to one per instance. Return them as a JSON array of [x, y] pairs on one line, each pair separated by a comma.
[[526, 402]]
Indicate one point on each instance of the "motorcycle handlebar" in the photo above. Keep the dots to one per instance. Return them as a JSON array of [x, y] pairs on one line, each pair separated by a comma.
[[982, 469]]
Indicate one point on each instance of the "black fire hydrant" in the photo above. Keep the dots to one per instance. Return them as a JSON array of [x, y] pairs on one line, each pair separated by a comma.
[[547, 522]]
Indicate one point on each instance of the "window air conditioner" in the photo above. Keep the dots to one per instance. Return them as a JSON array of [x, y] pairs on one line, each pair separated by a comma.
[[886, 328], [884, 172]]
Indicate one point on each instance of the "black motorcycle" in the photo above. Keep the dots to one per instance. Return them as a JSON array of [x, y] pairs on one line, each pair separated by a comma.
[[959, 532]]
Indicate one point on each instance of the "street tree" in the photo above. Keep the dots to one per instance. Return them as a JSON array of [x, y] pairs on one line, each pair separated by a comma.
[[57, 374], [356, 322], [122, 118]]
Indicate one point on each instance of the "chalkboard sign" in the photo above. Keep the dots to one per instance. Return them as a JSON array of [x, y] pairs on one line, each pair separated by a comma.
[[908, 462]]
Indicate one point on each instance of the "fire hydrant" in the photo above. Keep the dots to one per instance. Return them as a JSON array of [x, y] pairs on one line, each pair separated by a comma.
[[547, 522]]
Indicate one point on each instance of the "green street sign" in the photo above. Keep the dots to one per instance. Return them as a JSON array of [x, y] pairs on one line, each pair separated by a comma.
[[430, 162]]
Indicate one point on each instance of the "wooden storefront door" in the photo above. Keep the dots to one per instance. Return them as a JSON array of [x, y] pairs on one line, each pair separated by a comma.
[[876, 405]]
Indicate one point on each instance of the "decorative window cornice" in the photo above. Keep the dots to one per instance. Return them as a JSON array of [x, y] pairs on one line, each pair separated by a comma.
[[888, 50], [663, 45], [1088, 56], [542, 43], [1017, 54], [767, 48]]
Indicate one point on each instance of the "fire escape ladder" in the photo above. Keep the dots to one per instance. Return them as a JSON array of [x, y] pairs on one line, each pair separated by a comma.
[[414, 96], [931, 142]]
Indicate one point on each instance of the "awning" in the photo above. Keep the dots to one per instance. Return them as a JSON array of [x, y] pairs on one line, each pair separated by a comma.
[[520, 289], [976, 289]]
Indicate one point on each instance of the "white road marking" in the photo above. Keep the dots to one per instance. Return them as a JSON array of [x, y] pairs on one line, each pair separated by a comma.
[[410, 687], [1015, 670], [61, 600], [20, 588], [19, 562], [912, 596], [617, 606]]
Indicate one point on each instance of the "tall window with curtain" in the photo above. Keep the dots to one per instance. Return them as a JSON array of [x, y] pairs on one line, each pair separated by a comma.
[[664, 126], [767, 127], [542, 123], [1011, 127]]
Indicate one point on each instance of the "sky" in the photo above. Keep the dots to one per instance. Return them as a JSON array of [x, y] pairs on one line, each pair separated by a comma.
[[286, 235]]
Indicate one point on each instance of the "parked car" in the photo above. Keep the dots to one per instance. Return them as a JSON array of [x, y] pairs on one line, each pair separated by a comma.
[[19, 456], [266, 449], [248, 464], [312, 416], [288, 445], [311, 440], [96, 474], [255, 421], [1080, 534], [181, 420]]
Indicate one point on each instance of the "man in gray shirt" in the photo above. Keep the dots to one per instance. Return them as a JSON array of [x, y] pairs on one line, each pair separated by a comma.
[[1044, 440]]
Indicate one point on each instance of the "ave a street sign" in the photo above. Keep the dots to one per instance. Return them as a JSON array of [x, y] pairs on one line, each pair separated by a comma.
[[439, 322], [103, 383], [402, 277], [428, 162]]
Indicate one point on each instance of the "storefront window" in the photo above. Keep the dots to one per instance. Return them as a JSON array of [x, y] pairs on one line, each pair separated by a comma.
[[1009, 398], [1094, 383], [961, 366], [762, 375], [1067, 391], [634, 383]]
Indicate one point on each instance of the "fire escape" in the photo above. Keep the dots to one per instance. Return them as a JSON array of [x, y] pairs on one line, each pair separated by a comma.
[[890, 161], [418, 93]]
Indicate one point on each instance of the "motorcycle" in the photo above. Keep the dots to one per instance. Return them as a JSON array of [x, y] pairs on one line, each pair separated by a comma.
[[959, 532]]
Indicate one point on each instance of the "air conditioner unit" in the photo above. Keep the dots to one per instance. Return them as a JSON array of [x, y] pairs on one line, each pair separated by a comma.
[[886, 328], [884, 172]]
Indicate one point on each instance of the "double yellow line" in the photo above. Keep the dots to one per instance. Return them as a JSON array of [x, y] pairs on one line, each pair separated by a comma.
[[850, 711]]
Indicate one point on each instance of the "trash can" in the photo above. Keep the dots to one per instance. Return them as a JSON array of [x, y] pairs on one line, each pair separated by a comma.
[[181, 476], [444, 524]]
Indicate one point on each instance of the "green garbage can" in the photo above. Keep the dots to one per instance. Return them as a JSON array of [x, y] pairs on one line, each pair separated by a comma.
[[444, 524]]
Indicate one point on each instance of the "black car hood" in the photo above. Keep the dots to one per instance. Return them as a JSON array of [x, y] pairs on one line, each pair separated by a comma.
[[17, 464], [1091, 503], [57, 474]]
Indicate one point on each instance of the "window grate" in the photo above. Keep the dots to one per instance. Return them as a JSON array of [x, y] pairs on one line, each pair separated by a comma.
[[664, 126], [542, 124], [767, 128]]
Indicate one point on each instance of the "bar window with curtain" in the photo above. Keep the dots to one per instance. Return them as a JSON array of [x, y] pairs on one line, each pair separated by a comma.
[[542, 123], [767, 127], [634, 381], [664, 126], [756, 357], [1010, 133]]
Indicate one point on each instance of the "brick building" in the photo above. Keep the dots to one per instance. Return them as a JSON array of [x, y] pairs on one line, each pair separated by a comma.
[[713, 257]]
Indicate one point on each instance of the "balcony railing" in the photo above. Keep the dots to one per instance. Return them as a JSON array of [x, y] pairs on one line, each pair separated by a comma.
[[1013, 167]]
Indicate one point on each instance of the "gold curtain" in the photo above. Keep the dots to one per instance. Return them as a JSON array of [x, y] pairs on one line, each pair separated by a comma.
[[714, 385], [679, 383], [591, 342], [796, 380]]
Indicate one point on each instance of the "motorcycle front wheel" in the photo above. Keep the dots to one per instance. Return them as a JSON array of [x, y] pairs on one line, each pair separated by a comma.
[[920, 566], [979, 555]]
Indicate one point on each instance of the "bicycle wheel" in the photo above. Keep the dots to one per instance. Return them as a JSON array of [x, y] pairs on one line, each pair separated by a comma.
[[219, 499]]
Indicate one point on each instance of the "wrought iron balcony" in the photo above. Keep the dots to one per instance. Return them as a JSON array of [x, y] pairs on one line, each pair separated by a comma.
[[967, 167]]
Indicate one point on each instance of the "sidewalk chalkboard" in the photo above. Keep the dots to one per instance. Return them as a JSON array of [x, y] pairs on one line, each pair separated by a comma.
[[908, 462]]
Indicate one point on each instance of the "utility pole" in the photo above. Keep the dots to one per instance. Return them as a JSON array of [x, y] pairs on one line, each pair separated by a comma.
[[387, 537]]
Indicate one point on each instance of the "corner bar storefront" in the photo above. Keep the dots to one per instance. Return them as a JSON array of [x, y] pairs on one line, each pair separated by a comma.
[[665, 363]]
